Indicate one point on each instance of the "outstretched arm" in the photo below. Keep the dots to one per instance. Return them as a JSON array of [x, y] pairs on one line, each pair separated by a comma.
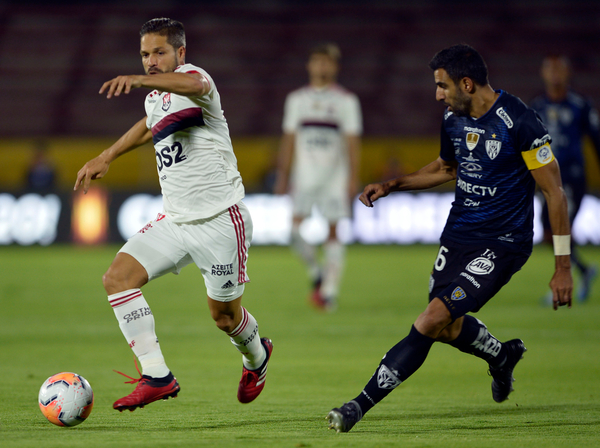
[[548, 179], [98, 166], [436, 173], [186, 84]]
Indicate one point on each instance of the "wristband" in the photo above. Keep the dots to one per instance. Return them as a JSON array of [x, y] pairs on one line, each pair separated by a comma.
[[562, 244]]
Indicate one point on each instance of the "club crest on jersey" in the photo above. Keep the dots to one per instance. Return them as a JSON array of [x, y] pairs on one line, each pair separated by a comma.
[[458, 294], [472, 140], [166, 102], [492, 147]]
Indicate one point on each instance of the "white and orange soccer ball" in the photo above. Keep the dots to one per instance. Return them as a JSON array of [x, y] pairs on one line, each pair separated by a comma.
[[66, 399]]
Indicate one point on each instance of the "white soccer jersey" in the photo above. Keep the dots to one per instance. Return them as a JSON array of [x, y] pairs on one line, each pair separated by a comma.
[[196, 164], [320, 119]]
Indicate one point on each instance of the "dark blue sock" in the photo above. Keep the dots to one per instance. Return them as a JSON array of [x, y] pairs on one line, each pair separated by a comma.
[[475, 339], [396, 366]]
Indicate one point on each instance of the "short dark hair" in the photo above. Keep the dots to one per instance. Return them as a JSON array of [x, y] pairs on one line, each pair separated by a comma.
[[461, 61], [330, 49], [166, 27]]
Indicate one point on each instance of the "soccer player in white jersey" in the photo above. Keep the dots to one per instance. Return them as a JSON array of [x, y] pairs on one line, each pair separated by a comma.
[[204, 220], [318, 162]]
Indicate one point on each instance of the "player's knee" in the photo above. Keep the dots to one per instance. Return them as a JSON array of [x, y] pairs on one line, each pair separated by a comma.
[[225, 322], [451, 332], [227, 314], [434, 319], [112, 281], [115, 280], [124, 273]]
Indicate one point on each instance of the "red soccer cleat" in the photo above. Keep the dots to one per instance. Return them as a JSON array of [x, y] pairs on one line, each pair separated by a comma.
[[253, 381], [147, 391], [317, 300]]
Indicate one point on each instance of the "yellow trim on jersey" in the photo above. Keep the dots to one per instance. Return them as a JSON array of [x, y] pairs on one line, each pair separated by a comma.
[[538, 157]]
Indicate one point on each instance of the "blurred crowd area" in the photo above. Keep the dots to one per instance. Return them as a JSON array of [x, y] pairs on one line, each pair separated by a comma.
[[54, 56]]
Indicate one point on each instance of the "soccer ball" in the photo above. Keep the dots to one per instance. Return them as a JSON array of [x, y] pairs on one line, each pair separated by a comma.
[[66, 399]]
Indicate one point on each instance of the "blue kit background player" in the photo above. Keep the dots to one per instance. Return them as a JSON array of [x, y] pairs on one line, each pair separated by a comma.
[[569, 118], [497, 150]]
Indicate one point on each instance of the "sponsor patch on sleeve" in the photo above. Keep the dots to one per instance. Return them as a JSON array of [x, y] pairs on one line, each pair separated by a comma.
[[538, 157]]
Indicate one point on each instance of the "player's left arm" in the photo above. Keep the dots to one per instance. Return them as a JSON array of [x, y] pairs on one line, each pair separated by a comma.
[[548, 179], [186, 84], [353, 141], [352, 130], [284, 162]]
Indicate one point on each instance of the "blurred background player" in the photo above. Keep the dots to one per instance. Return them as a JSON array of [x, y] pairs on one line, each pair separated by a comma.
[[41, 174], [569, 117], [204, 222], [318, 162]]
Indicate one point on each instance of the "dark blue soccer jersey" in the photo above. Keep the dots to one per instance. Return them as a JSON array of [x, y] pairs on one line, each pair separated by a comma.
[[568, 121], [494, 189]]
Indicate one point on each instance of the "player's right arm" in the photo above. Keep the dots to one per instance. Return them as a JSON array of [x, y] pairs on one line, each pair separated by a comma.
[[436, 173], [284, 163], [98, 166], [548, 179]]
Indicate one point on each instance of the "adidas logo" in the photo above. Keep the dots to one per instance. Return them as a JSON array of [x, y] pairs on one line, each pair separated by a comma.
[[227, 285]]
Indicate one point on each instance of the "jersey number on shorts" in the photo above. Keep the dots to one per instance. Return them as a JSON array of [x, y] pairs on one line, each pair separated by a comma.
[[440, 262], [165, 156]]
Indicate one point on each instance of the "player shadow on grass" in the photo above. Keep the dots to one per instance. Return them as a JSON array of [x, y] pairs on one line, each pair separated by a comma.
[[471, 419]]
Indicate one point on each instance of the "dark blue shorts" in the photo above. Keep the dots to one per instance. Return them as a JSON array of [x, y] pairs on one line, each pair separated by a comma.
[[466, 277]]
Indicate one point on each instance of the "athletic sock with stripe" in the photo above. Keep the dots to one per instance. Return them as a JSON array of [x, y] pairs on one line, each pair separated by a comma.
[[137, 324], [246, 339]]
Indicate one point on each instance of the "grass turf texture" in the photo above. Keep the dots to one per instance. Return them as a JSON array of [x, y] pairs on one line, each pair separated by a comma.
[[54, 317]]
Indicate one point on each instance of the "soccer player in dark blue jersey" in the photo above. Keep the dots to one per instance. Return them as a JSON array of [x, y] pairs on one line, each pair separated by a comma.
[[569, 117], [497, 150]]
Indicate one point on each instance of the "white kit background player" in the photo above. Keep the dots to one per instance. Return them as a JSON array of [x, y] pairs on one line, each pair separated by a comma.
[[204, 220], [319, 162]]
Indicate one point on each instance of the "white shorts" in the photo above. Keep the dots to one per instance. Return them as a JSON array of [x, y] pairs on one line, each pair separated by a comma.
[[330, 195], [217, 245]]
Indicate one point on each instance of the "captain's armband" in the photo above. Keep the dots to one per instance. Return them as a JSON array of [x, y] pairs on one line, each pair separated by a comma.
[[538, 157]]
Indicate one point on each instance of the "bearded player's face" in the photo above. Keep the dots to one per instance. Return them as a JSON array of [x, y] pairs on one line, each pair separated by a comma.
[[450, 94], [158, 56]]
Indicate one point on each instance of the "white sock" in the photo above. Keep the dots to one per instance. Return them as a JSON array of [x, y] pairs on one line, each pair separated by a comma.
[[246, 339], [137, 324], [307, 252], [335, 255]]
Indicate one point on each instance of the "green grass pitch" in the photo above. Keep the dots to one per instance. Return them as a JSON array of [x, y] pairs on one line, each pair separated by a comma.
[[55, 317]]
